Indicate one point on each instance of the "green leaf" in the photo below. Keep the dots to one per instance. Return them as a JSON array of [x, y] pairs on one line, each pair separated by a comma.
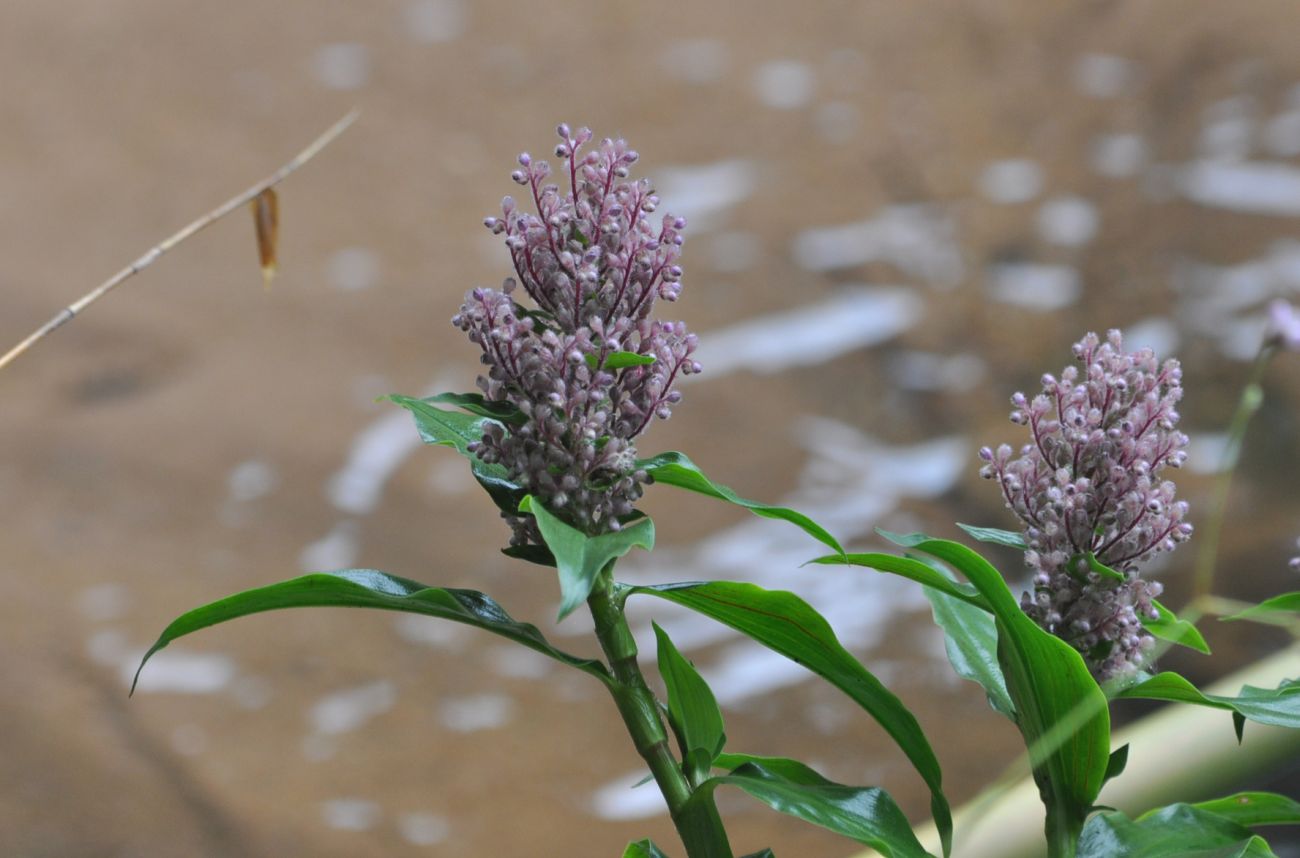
[[643, 849], [1061, 711], [1286, 603], [970, 638], [1102, 569], [910, 568], [675, 469], [368, 588], [692, 708], [790, 626], [1168, 627], [1176, 831], [1277, 706], [1009, 538], [865, 814], [475, 403], [1254, 808], [762, 853], [458, 431], [1117, 763], [620, 360], [579, 557]]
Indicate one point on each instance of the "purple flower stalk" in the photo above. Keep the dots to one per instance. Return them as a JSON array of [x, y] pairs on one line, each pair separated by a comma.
[[593, 262], [1087, 485], [1283, 326]]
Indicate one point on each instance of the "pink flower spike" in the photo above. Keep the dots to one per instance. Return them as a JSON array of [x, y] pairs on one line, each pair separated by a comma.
[[1283, 326]]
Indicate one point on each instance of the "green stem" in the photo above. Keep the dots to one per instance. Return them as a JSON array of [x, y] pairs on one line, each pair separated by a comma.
[[695, 816], [1063, 828], [1252, 396]]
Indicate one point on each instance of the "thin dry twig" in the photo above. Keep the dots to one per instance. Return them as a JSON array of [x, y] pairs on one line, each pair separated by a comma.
[[150, 256]]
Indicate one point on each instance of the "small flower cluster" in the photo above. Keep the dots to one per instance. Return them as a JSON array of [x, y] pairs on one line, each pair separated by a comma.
[[1087, 485], [589, 367], [1283, 327]]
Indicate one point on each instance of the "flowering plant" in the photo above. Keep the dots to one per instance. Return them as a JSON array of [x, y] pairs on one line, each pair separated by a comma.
[[574, 376]]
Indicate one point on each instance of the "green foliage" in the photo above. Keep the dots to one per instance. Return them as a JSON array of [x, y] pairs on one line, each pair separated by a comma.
[[1277, 706], [475, 403], [1285, 603], [996, 536], [367, 588], [579, 558], [643, 849], [676, 469], [970, 638], [1176, 831], [1169, 628], [1254, 808], [620, 360], [912, 569], [790, 626], [692, 710]]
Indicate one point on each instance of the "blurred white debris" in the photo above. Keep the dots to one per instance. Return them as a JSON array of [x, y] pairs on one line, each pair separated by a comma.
[[1282, 134], [338, 549], [622, 799], [251, 480], [515, 662], [350, 814], [698, 61], [703, 194], [432, 632], [189, 740], [811, 334], [344, 711], [1034, 285], [1258, 187], [423, 829], [918, 239], [1205, 451], [180, 671], [784, 84], [838, 121], [353, 269], [1117, 156], [252, 692], [1068, 221], [1156, 333], [1103, 75], [103, 602], [435, 21], [342, 65], [475, 712], [1228, 129], [1014, 180], [927, 371], [733, 252], [376, 454]]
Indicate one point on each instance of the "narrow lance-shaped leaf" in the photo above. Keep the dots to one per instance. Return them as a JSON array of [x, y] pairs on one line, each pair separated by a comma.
[[995, 536], [865, 814], [910, 568], [1285, 603], [1277, 706], [579, 557], [620, 360], [676, 469], [790, 626], [368, 588], [692, 709], [643, 849], [1254, 808], [476, 403], [1168, 627], [970, 638]]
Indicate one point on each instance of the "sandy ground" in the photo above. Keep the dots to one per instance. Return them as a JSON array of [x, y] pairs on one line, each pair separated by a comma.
[[178, 442]]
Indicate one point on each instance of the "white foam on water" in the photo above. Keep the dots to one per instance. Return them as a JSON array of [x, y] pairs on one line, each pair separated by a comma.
[[376, 454], [104, 602], [350, 814], [180, 672], [1282, 134], [432, 22], [1034, 285], [475, 712], [1010, 181], [515, 662], [1255, 187], [1118, 156], [1103, 75], [431, 632], [353, 269], [809, 335], [1156, 333], [338, 549], [252, 692], [342, 65], [350, 709], [423, 829], [698, 61], [784, 84], [918, 239], [705, 193], [1228, 129], [622, 799], [928, 371], [251, 480], [1068, 221]]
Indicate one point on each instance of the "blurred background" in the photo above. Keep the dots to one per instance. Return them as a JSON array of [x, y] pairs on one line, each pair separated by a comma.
[[900, 213]]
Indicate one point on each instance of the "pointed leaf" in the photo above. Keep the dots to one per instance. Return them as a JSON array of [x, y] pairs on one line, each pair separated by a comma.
[[579, 557], [865, 814], [458, 431], [1277, 706], [1117, 763], [911, 568], [1102, 569], [476, 403], [643, 849], [790, 626], [1009, 538], [1254, 808], [691, 706], [1176, 831], [676, 469], [1286, 603], [368, 588], [620, 360], [762, 853], [1168, 627], [970, 638]]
